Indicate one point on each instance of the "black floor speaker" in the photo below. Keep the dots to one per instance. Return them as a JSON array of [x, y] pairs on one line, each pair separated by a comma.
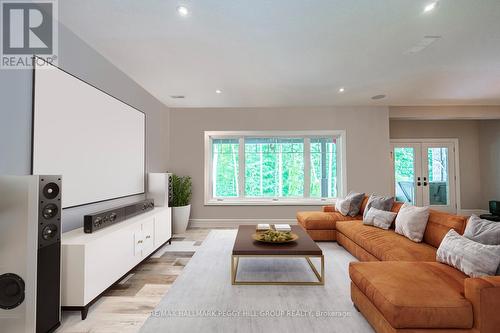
[[30, 253]]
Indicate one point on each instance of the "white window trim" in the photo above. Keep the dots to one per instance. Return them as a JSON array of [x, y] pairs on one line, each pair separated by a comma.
[[211, 201]]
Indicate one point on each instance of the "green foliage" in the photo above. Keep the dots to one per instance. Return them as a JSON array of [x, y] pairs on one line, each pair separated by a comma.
[[404, 164], [274, 170], [182, 190], [273, 167], [226, 163]]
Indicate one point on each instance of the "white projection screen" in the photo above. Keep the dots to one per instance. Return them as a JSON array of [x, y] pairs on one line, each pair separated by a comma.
[[95, 141]]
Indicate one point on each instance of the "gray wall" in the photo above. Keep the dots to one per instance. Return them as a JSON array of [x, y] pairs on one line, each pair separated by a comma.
[[489, 153], [78, 58], [467, 133], [368, 162]]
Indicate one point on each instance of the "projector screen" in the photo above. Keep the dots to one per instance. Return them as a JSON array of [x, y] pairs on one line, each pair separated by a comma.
[[95, 141]]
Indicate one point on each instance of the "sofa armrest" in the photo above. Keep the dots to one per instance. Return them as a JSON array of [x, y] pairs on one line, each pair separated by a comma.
[[484, 294], [329, 209]]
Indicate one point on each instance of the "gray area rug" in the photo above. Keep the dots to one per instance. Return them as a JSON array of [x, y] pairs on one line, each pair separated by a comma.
[[202, 299]]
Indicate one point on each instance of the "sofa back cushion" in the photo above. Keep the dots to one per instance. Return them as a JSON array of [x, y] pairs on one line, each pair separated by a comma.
[[439, 224], [363, 205], [397, 206]]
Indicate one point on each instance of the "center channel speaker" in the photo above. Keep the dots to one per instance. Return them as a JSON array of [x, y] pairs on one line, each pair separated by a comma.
[[30, 253], [160, 188]]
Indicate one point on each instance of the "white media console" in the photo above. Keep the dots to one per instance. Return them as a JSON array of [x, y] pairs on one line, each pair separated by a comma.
[[91, 263]]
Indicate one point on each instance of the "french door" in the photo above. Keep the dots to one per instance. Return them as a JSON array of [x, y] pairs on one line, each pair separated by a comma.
[[424, 173]]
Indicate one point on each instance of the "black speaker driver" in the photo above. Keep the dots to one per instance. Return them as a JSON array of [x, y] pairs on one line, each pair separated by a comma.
[[49, 232], [11, 291], [51, 191], [49, 211]]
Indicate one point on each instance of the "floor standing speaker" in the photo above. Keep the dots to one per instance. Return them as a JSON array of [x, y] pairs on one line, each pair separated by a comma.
[[30, 253], [160, 189]]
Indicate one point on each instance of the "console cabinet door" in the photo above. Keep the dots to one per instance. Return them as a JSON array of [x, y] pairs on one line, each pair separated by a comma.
[[163, 227], [148, 237], [138, 242]]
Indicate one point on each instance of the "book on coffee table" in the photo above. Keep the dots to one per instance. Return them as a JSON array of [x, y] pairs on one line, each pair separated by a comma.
[[282, 227], [263, 227]]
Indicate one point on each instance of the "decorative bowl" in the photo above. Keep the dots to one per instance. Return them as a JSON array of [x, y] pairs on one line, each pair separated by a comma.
[[275, 237]]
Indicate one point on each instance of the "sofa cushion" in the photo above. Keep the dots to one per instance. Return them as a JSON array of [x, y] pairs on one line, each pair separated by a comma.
[[415, 294], [482, 231], [378, 202], [385, 244], [379, 218], [314, 220], [472, 258], [356, 202], [411, 222], [439, 224]]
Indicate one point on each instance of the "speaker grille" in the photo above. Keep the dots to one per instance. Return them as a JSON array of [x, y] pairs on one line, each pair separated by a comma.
[[11, 291], [49, 217]]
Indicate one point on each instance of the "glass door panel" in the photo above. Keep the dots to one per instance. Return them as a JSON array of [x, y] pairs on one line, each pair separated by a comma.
[[404, 174], [406, 163], [439, 176]]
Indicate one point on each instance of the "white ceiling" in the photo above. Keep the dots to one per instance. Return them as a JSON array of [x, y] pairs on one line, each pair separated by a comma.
[[298, 52]]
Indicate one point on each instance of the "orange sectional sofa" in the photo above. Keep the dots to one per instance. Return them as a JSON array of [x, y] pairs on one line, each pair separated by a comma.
[[399, 286]]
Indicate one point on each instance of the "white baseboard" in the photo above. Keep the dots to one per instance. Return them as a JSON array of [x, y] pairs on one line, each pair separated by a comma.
[[469, 212], [213, 223]]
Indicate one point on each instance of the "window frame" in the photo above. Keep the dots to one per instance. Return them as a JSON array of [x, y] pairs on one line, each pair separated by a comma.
[[210, 200]]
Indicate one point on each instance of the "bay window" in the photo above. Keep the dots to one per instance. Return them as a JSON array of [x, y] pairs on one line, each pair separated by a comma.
[[282, 167]]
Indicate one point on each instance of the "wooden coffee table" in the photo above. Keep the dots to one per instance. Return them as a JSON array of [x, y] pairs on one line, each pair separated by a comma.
[[304, 247]]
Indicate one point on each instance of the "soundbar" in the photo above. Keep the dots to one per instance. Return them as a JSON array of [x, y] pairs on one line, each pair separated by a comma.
[[106, 218]]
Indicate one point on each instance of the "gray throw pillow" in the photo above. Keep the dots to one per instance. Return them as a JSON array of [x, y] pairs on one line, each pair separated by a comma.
[[356, 201], [483, 231], [472, 258], [379, 218], [379, 202]]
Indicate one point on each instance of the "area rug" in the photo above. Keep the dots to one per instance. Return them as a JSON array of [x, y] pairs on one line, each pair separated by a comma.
[[203, 299]]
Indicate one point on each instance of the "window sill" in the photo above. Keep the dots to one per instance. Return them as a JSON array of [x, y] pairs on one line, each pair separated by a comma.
[[267, 202]]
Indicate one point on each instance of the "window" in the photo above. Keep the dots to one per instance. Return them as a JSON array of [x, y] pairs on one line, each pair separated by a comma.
[[273, 167]]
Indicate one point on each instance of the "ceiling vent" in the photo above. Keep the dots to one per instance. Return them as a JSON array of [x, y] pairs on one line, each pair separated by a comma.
[[378, 97], [177, 96]]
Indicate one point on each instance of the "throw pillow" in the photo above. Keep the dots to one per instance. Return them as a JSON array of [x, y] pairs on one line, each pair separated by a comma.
[[356, 201], [343, 206], [411, 222], [379, 202], [472, 258], [482, 231], [379, 218]]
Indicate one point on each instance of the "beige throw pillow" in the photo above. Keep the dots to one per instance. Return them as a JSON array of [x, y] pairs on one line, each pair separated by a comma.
[[472, 258], [343, 206], [411, 222], [379, 218]]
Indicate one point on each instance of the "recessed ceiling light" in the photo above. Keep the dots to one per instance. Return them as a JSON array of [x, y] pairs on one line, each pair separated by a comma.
[[341, 89], [218, 91], [378, 97], [182, 11], [430, 7]]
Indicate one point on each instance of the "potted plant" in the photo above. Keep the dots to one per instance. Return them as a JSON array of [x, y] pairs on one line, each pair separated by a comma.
[[181, 202]]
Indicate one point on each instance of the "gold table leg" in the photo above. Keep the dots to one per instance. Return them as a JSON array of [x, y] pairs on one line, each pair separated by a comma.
[[235, 259]]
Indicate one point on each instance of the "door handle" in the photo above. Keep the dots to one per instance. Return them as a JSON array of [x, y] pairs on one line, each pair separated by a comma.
[[425, 181]]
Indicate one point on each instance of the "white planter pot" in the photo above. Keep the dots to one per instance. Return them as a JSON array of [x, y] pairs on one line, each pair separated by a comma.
[[180, 217]]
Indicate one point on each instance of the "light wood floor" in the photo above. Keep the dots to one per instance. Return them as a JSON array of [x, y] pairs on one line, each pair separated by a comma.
[[126, 306]]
